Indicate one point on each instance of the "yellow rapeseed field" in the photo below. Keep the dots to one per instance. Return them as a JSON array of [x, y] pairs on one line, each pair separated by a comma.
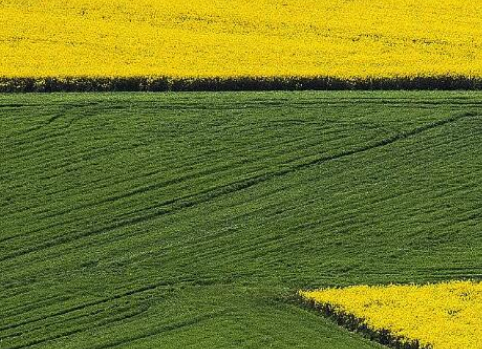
[[446, 315], [232, 38]]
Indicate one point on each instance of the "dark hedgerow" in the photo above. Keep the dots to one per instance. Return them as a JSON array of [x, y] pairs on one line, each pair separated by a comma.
[[155, 84]]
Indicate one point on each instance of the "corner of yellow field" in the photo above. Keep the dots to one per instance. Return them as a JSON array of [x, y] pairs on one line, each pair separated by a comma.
[[446, 315]]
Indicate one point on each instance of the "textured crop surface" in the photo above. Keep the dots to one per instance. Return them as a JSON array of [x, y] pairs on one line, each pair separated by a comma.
[[444, 316], [187, 220], [232, 38]]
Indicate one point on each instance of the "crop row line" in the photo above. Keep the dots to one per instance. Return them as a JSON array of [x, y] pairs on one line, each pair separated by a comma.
[[176, 204]]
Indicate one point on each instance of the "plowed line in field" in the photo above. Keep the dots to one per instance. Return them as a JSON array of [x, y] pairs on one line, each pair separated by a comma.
[[28, 306], [83, 306], [97, 325], [140, 190], [87, 305], [58, 321], [62, 113], [177, 204], [27, 131], [163, 329]]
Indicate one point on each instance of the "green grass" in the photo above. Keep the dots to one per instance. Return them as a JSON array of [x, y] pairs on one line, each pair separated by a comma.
[[188, 220]]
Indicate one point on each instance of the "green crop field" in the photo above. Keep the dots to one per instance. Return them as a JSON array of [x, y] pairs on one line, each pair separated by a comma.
[[190, 220]]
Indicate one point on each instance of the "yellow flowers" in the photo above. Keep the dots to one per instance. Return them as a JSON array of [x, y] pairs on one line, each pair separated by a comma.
[[446, 315], [233, 38]]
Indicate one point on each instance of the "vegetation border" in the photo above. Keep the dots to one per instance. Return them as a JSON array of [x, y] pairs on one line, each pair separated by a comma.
[[158, 84], [358, 325]]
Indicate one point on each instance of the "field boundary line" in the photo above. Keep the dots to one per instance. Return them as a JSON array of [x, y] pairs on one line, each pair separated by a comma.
[[241, 83]]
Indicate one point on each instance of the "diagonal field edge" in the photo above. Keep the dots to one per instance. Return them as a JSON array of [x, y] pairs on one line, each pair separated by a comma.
[[188, 201], [357, 325]]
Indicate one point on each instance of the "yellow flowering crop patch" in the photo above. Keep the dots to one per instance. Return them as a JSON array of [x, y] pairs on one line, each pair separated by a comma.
[[233, 38], [444, 316]]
